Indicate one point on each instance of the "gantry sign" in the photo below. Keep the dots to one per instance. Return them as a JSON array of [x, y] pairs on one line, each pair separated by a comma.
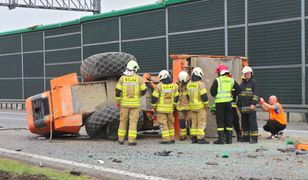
[[68, 5]]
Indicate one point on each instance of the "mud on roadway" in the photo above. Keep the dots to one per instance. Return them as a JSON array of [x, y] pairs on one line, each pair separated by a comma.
[[268, 159]]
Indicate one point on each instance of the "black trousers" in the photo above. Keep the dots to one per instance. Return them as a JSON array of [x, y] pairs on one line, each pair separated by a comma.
[[236, 120], [273, 127], [249, 123], [224, 115]]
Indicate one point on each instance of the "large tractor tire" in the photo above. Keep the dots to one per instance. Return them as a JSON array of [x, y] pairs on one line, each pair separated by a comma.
[[105, 123], [104, 65]]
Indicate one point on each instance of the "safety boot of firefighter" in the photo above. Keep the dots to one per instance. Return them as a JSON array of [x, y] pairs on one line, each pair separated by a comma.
[[245, 137], [203, 141], [229, 137], [238, 135], [165, 142], [182, 138], [194, 140], [221, 138], [254, 139]]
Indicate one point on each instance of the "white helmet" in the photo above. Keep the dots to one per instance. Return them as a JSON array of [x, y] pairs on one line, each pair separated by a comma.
[[163, 74], [183, 77], [197, 72], [247, 69], [132, 66], [223, 72]]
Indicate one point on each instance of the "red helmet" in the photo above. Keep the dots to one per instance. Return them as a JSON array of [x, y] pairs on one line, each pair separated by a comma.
[[220, 68]]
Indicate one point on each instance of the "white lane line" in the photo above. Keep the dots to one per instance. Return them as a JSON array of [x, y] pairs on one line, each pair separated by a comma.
[[14, 113], [82, 165], [12, 119], [289, 130]]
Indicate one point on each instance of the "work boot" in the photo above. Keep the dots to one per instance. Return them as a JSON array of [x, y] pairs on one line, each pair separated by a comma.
[[254, 140], [165, 142], [172, 141], [194, 140], [221, 136], [182, 138], [203, 141], [229, 137], [121, 142], [244, 139], [132, 144], [238, 135]]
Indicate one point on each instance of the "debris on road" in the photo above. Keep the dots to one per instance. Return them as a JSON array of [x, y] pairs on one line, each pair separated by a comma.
[[212, 163], [75, 173], [289, 142], [116, 161], [252, 156], [163, 153], [286, 150], [18, 150], [300, 152], [101, 162], [261, 149], [225, 155]]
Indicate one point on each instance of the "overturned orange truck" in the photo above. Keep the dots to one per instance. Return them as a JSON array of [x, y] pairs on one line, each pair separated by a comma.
[[71, 104]]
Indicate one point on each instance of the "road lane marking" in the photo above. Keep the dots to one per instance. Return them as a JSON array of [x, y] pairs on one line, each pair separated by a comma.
[[82, 165], [12, 119], [14, 113], [289, 130]]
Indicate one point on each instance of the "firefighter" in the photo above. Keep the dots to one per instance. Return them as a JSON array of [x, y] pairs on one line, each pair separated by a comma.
[[183, 104], [128, 91], [277, 117], [236, 118], [247, 101], [164, 98], [221, 89], [198, 102]]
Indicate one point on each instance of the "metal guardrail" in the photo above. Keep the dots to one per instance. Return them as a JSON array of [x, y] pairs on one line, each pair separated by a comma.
[[289, 108], [12, 104]]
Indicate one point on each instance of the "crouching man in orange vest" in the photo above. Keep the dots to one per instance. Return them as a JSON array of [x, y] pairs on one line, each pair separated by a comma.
[[277, 117]]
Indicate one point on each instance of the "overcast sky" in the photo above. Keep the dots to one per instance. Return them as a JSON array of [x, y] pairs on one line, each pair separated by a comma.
[[24, 17]]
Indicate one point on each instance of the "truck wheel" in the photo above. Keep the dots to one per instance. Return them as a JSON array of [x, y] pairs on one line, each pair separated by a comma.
[[105, 123], [104, 65]]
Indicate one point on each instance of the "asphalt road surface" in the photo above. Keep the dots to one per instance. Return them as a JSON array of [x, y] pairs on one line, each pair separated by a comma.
[[109, 160]]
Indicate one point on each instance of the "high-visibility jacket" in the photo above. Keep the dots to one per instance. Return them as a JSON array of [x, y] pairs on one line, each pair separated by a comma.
[[194, 91], [278, 115], [165, 93], [130, 87], [183, 103], [224, 91]]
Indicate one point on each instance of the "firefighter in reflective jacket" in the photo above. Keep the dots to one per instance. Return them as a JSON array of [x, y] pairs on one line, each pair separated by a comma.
[[164, 98], [236, 118], [183, 104], [198, 102], [221, 89], [128, 91], [247, 101]]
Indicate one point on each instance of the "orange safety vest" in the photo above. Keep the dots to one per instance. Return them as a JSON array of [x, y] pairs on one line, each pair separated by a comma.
[[281, 117]]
